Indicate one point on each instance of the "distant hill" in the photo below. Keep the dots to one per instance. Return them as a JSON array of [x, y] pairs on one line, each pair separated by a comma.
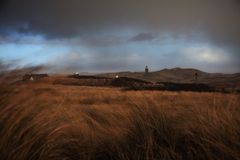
[[184, 75]]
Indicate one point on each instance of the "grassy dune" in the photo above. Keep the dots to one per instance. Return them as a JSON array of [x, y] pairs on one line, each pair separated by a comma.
[[52, 122]]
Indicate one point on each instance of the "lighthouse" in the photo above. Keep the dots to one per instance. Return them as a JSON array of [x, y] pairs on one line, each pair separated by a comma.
[[146, 70]]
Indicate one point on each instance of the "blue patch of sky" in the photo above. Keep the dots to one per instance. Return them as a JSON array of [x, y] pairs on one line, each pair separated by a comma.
[[28, 49], [31, 54]]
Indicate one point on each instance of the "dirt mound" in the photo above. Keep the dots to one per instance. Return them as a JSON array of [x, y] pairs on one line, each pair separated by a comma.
[[186, 86], [129, 82], [133, 84], [83, 81], [101, 81]]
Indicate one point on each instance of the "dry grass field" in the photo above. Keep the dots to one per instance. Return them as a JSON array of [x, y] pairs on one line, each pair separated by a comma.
[[42, 121]]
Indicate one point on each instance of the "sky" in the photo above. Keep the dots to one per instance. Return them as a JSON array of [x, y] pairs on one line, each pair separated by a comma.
[[120, 35]]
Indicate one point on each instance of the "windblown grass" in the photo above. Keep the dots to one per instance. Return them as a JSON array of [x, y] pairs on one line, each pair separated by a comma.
[[43, 122]]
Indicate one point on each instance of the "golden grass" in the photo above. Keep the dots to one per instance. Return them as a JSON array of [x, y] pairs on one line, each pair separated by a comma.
[[44, 121]]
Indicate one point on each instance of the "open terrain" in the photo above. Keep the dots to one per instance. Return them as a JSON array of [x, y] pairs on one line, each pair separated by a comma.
[[186, 75], [43, 120]]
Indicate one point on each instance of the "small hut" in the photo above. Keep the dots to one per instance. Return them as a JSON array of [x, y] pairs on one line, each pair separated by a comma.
[[76, 75], [30, 76]]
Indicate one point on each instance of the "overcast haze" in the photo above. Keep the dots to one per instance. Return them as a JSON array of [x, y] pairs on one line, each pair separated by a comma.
[[123, 35]]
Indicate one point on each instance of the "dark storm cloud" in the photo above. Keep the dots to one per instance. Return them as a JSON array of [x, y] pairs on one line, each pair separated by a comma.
[[143, 37], [108, 34], [99, 41], [219, 19]]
